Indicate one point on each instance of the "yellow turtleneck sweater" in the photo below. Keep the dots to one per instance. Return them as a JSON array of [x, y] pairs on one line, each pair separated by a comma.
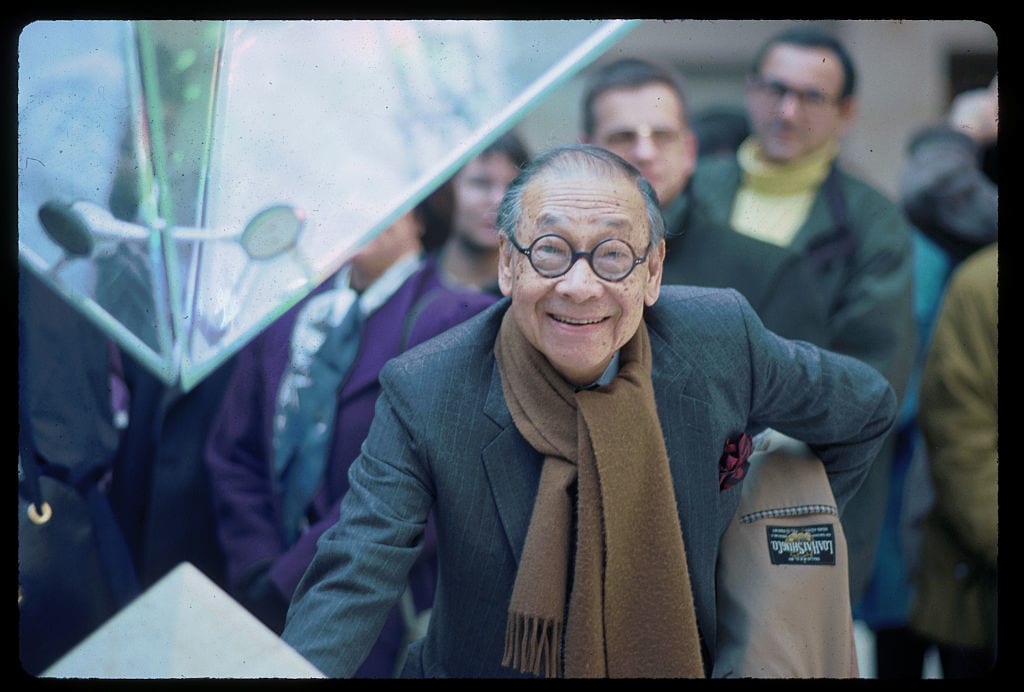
[[775, 198]]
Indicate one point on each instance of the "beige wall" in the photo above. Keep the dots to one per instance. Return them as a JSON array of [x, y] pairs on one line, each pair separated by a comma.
[[902, 68]]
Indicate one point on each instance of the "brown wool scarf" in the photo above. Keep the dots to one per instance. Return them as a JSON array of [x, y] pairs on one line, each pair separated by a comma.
[[631, 612]]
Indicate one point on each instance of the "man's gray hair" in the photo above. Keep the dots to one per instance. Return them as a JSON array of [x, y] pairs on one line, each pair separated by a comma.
[[574, 158]]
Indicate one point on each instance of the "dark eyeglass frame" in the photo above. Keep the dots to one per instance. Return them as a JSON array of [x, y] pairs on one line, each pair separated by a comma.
[[576, 255], [777, 91]]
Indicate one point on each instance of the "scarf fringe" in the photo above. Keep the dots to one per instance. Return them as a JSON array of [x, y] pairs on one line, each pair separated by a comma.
[[532, 643]]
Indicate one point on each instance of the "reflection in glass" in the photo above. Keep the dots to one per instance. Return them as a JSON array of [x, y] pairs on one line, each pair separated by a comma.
[[219, 171]]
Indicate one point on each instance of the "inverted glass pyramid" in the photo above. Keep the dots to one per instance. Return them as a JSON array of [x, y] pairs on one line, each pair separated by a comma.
[[183, 183]]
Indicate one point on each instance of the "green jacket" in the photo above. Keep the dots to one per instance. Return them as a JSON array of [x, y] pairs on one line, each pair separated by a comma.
[[859, 304]]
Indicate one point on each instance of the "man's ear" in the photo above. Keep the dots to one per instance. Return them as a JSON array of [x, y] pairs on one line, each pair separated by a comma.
[[504, 265], [655, 264]]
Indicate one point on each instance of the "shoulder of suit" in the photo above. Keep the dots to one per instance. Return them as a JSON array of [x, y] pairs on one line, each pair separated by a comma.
[[680, 296], [695, 310]]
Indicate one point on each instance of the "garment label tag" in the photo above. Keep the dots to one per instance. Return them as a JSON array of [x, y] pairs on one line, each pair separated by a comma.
[[802, 545]]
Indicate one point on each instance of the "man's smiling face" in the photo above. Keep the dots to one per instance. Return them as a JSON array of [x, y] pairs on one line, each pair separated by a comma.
[[577, 320]]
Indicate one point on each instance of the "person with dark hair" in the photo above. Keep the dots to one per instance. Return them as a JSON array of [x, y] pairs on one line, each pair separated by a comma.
[[582, 445], [294, 416], [949, 185], [463, 213], [637, 109], [822, 255], [810, 37]]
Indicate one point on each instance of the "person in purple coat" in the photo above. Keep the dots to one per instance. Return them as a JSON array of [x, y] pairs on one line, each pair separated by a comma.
[[295, 414]]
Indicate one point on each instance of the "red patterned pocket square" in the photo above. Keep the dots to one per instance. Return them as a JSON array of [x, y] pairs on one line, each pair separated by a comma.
[[735, 461]]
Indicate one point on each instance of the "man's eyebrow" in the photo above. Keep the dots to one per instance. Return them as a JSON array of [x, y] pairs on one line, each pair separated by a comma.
[[616, 223], [549, 220]]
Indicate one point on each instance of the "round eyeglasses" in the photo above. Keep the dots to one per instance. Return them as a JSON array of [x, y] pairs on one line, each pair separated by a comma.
[[552, 256]]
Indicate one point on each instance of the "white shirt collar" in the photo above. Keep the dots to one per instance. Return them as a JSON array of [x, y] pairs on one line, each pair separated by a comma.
[[378, 293]]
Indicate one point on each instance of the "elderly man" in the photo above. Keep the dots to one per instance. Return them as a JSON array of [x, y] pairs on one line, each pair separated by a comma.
[[580, 444]]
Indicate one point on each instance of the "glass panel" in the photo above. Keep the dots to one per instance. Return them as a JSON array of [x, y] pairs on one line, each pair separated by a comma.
[[199, 178], [81, 167]]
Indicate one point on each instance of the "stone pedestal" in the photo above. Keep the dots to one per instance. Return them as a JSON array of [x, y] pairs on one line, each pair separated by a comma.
[[184, 626]]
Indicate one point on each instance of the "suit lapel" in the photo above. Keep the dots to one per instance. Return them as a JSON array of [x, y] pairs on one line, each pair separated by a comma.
[[682, 416], [755, 266], [512, 468], [685, 420], [381, 338], [670, 372]]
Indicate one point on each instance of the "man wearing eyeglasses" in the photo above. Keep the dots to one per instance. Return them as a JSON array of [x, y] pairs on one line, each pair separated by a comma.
[[820, 254], [573, 443]]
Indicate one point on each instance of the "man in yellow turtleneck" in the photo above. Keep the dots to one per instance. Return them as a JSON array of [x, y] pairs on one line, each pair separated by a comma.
[[820, 254]]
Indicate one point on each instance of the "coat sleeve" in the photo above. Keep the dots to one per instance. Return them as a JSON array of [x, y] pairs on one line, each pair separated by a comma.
[[362, 562], [839, 406]]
